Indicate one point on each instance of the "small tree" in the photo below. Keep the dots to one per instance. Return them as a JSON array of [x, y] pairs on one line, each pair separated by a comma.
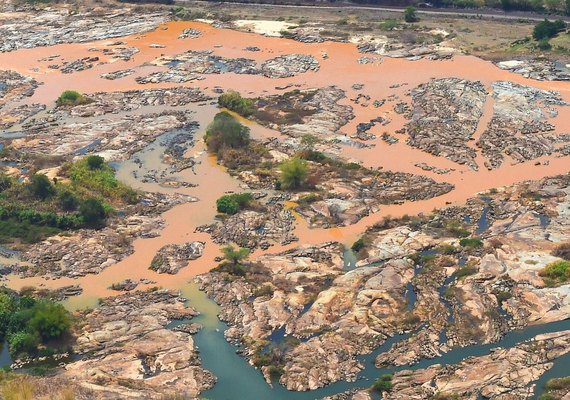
[[293, 173], [93, 213], [95, 162], [410, 14], [41, 187], [68, 201], [50, 320], [309, 141], [383, 384], [233, 255], [226, 132]]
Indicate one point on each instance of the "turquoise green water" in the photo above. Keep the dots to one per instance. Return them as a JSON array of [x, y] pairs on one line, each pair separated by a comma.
[[239, 380]]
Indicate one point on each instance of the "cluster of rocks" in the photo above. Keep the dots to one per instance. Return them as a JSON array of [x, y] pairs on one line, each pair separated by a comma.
[[117, 51], [118, 74], [315, 112], [363, 128], [505, 373], [128, 351], [439, 171], [348, 196], [172, 258], [445, 115], [542, 70], [329, 316], [188, 66], [190, 34], [14, 87], [101, 103], [10, 117], [289, 65], [114, 138], [75, 66], [520, 127], [52, 26], [255, 229]]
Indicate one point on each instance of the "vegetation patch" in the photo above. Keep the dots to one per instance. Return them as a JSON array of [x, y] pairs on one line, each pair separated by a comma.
[[32, 327], [71, 98], [233, 203], [556, 273], [233, 101], [471, 243], [383, 384]]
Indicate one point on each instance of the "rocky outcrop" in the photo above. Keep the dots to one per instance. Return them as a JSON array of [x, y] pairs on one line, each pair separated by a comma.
[[445, 114], [505, 373], [520, 127], [172, 258], [128, 351]]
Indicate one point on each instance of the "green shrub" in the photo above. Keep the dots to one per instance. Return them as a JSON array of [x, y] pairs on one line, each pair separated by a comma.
[[226, 132], [383, 384], [556, 272], [231, 204], [95, 162], [558, 384], [50, 320], [410, 14], [358, 245], [233, 101], [71, 97], [293, 173], [41, 187], [68, 201], [547, 29], [465, 271], [544, 44], [471, 242], [22, 342], [93, 213]]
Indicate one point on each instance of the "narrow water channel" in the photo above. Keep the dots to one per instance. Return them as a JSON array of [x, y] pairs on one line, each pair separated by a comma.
[[239, 380]]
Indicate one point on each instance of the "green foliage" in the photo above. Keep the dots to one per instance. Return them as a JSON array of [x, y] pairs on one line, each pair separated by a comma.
[[27, 323], [263, 290], [556, 272], [226, 132], [465, 271], [100, 181], [22, 342], [93, 213], [233, 255], [95, 162], [558, 384], [544, 44], [471, 242], [358, 245], [293, 173], [389, 25], [383, 384], [410, 14], [71, 98], [547, 29], [41, 187], [233, 101], [231, 204], [67, 200], [6, 182], [309, 141]]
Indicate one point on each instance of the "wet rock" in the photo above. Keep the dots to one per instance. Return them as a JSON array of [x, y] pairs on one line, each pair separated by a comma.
[[289, 65], [171, 258], [125, 286], [128, 351], [118, 74], [537, 69], [190, 34], [445, 115]]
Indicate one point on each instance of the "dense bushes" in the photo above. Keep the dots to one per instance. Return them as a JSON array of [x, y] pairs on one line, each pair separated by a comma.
[[27, 323], [383, 384], [37, 209], [232, 203], [547, 29], [225, 132], [234, 102]]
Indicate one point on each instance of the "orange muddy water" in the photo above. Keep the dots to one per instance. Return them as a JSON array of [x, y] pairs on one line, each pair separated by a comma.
[[340, 68]]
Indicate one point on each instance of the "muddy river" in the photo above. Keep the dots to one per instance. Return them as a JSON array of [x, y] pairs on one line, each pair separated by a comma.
[[340, 68]]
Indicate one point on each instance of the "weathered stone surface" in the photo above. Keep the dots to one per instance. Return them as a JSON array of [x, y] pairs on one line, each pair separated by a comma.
[[172, 258], [128, 351]]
